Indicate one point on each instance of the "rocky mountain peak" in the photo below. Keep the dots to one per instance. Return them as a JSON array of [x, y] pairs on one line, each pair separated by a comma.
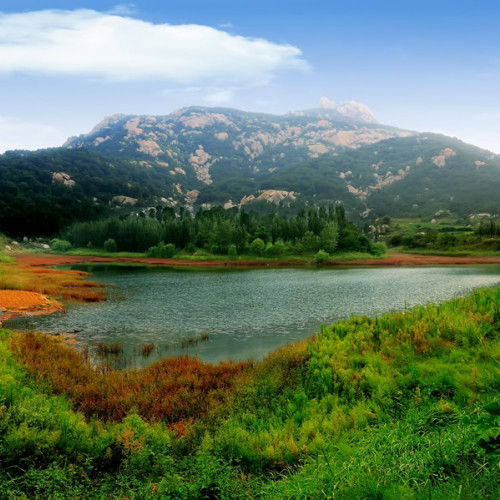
[[350, 109]]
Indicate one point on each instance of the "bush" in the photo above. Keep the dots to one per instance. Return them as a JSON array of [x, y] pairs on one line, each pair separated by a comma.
[[321, 256], [378, 249], [110, 245], [279, 248], [232, 252], [269, 250], [60, 245], [257, 246], [162, 250], [190, 248]]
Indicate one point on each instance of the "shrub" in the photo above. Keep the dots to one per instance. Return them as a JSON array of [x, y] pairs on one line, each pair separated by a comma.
[[378, 249], [162, 250], [279, 248], [269, 250], [190, 248], [321, 256], [232, 252], [257, 246], [110, 245], [60, 245]]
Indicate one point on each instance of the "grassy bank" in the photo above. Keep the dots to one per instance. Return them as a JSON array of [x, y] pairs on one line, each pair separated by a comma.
[[202, 255], [386, 407]]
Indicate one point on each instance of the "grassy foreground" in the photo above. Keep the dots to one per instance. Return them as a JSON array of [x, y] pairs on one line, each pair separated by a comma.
[[387, 407]]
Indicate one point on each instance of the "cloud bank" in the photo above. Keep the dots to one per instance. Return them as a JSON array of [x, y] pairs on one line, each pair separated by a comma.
[[118, 48]]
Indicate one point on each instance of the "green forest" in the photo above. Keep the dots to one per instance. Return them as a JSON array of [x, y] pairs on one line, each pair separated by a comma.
[[225, 232], [33, 204]]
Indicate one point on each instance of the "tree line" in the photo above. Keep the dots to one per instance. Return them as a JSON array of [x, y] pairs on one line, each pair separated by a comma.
[[224, 232]]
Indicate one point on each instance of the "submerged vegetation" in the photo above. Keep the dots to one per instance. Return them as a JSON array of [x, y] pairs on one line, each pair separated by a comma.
[[396, 406]]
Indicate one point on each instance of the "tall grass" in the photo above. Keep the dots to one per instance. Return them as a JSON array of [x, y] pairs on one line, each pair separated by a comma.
[[171, 390]]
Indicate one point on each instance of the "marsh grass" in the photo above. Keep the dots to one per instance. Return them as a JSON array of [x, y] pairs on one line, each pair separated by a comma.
[[147, 349], [109, 349], [68, 285], [194, 340]]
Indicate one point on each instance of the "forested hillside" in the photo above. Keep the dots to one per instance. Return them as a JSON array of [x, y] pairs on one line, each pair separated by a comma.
[[202, 157], [43, 192]]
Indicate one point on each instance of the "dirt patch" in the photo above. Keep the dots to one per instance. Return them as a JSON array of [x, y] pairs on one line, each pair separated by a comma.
[[29, 302]]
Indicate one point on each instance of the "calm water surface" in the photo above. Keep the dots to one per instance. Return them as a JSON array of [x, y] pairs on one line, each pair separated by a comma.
[[246, 314]]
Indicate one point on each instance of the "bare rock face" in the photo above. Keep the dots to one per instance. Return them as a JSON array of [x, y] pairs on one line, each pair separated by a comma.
[[440, 159], [270, 195], [350, 109], [200, 160], [62, 178], [124, 200]]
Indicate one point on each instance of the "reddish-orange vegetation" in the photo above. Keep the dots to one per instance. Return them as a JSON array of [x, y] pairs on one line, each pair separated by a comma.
[[172, 390], [393, 259], [31, 302], [26, 274]]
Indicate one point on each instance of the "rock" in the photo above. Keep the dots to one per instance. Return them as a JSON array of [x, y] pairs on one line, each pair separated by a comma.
[[62, 178]]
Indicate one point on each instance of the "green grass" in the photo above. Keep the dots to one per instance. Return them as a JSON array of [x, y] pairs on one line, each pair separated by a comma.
[[202, 255], [95, 252], [412, 226], [386, 407], [454, 252]]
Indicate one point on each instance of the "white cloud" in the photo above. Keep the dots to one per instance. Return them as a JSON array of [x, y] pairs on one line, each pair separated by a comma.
[[218, 97], [123, 9], [114, 47], [17, 134]]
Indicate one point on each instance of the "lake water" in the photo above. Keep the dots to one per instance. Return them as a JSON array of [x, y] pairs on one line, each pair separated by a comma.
[[246, 314]]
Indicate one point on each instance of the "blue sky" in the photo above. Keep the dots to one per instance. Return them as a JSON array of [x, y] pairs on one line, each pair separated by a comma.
[[421, 65]]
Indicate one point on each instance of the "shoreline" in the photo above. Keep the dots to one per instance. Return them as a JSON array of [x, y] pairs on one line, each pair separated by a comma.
[[392, 260]]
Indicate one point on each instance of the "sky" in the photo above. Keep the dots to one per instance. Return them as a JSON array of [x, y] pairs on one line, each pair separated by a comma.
[[430, 66]]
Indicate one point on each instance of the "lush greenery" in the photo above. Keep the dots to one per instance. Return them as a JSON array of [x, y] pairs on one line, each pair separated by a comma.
[[34, 202], [43, 192], [441, 234], [226, 232], [397, 406]]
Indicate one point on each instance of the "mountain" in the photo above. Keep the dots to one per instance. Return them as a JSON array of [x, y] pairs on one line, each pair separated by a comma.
[[330, 153], [215, 156]]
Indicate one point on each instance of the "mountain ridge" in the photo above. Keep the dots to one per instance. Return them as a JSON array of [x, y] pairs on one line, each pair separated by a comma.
[[201, 157], [233, 158]]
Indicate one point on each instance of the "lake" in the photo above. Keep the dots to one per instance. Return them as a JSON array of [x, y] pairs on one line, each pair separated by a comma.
[[246, 314]]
